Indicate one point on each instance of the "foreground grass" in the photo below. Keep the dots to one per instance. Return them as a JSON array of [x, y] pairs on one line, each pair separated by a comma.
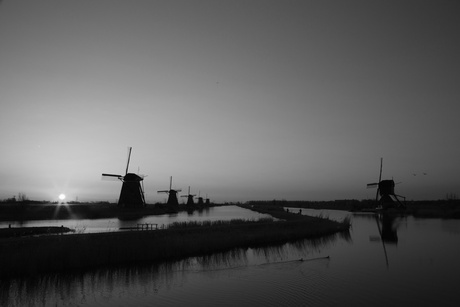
[[32, 231], [32, 255]]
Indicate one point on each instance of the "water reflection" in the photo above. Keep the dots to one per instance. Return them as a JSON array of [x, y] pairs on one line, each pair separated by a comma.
[[387, 228], [120, 285], [424, 271], [223, 213]]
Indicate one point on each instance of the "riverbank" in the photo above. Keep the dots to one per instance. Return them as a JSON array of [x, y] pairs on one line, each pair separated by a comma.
[[446, 209], [29, 211], [14, 232], [57, 253]]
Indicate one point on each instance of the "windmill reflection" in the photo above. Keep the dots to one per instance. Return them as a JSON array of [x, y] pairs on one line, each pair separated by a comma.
[[387, 229]]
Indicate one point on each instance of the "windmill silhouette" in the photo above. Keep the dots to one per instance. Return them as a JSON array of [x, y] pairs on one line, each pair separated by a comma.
[[207, 201], [386, 189], [200, 199], [189, 196], [132, 190], [172, 198]]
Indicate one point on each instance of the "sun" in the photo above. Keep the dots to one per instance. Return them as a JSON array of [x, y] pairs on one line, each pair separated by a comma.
[[61, 196]]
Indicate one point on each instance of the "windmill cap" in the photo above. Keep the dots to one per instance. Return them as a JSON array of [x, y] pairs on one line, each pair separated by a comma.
[[132, 177]]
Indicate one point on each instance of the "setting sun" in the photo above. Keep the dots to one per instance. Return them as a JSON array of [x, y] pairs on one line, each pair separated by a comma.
[[61, 196]]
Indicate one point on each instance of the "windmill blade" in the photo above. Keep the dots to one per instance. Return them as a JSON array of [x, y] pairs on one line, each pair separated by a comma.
[[142, 192], [111, 175], [372, 185], [105, 178], [163, 191], [380, 179], [129, 157], [178, 190], [170, 182]]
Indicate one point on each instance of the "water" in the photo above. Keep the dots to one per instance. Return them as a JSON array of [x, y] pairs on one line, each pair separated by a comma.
[[416, 264], [223, 213]]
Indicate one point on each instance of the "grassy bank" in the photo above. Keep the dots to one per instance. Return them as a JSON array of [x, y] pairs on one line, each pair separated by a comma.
[[449, 208], [27, 211], [31, 231], [32, 255]]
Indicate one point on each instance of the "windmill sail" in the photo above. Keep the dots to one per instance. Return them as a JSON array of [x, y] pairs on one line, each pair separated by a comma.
[[111, 175], [129, 157]]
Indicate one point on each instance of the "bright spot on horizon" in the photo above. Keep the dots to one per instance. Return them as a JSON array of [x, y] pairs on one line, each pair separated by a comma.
[[61, 196]]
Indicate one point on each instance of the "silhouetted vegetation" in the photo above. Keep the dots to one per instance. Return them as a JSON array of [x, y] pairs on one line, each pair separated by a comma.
[[31, 231], [39, 210], [30, 255], [448, 208]]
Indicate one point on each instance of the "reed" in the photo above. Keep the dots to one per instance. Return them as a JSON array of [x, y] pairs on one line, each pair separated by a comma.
[[32, 255]]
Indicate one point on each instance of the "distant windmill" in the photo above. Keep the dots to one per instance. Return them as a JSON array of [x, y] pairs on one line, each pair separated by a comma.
[[172, 198], [132, 190], [207, 201], [386, 189], [190, 201], [200, 199]]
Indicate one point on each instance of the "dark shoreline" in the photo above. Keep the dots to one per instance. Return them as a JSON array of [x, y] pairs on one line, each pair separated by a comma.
[[35, 210], [27, 256], [32, 210], [12, 232], [446, 209]]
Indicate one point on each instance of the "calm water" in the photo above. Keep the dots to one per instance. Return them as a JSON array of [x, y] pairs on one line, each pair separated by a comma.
[[416, 264], [223, 213]]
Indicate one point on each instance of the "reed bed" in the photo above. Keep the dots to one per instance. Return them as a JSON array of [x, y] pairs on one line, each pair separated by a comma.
[[33, 255]]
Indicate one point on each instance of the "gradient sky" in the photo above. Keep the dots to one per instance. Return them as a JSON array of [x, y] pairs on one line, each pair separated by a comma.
[[241, 100]]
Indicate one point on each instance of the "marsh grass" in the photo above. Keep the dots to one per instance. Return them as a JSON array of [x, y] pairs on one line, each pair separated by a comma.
[[220, 223], [27, 256]]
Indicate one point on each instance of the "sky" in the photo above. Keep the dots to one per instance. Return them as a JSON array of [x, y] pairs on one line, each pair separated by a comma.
[[240, 100]]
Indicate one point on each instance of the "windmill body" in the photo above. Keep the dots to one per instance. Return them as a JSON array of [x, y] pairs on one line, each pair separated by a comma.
[[200, 199], [190, 201], [386, 191], [172, 194], [132, 192]]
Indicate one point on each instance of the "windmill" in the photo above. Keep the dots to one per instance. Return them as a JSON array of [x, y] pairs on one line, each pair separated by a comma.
[[172, 198], [200, 199], [190, 201], [132, 190], [207, 201], [386, 189]]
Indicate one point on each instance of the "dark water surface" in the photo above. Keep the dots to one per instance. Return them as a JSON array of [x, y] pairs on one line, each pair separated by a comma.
[[222, 213], [416, 264]]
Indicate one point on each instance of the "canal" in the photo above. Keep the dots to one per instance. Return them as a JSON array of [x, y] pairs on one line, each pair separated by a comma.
[[398, 261]]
